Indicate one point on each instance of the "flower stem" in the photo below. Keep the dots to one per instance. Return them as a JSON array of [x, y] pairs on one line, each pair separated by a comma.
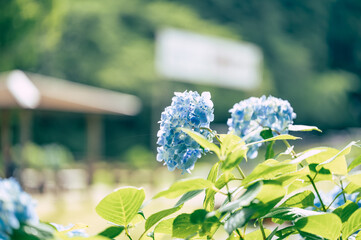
[[262, 228], [318, 194], [343, 193], [241, 172]]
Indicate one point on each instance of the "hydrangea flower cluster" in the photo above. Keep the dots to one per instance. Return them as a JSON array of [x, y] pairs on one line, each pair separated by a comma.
[[249, 117], [16, 207], [188, 110]]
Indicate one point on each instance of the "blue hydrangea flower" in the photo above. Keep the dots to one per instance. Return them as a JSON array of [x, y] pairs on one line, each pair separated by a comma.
[[188, 110], [70, 233], [16, 207], [249, 117]]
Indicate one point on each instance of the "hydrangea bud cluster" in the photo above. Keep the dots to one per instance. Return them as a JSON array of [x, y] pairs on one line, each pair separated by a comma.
[[16, 207], [188, 110], [249, 117]]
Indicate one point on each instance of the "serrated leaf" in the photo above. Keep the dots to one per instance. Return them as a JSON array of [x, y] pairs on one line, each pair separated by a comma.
[[257, 235], [356, 162], [247, 197], [267, 170], [188, 196], [201, 140], [184, 186], [238, 219], [352, 187], [327, 225], [300, 200], [337, 164], [302, 128], [278, 137], [156, 217], [183, 228], [208, 203], [121, 206], [289, 213], [270, 194], [355, 180], [234, 158], [112, 232], [346, 210], [352, 224], [230, 143], [164, 227]]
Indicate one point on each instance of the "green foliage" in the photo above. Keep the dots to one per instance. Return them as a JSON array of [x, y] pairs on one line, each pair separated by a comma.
[[121, 206], [112, 232], [182, 187], [156, 217]]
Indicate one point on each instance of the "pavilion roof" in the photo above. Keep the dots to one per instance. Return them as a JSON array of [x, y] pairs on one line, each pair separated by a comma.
[[20, 89]]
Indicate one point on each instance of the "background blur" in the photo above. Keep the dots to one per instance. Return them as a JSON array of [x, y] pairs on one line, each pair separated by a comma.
[[311, 56]]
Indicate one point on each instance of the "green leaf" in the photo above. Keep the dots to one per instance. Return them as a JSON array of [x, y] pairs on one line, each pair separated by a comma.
[[220, 183], [279, 137], [346, 210], [188, 196], [234, 158], [208, 226], [352, 187], [270, 195], [213, 173], [266, 134], [301, 200], [29, 231], [183, 228], [201, 140], [208, 202], [337, 164], [238, 219], [245, 200], [289, 214], [185, 186], [310, 236], [303, 128], [270, 153], [121, 206], [352, 224], [327, 225], [230, 143], [354, 179], [233, 151], [164, 227], [156, 217], [112, 232], [257, 235], [356, 162], [267, 170]]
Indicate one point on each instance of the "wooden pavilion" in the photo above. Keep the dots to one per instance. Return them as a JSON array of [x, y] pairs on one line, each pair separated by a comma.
[[28, 91]]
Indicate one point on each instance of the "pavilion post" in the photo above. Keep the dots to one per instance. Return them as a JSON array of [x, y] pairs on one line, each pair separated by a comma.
[[94, 143], [6, 142], [25, 116]]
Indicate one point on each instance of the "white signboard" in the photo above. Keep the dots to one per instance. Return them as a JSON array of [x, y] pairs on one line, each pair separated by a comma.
[[190, 57]]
